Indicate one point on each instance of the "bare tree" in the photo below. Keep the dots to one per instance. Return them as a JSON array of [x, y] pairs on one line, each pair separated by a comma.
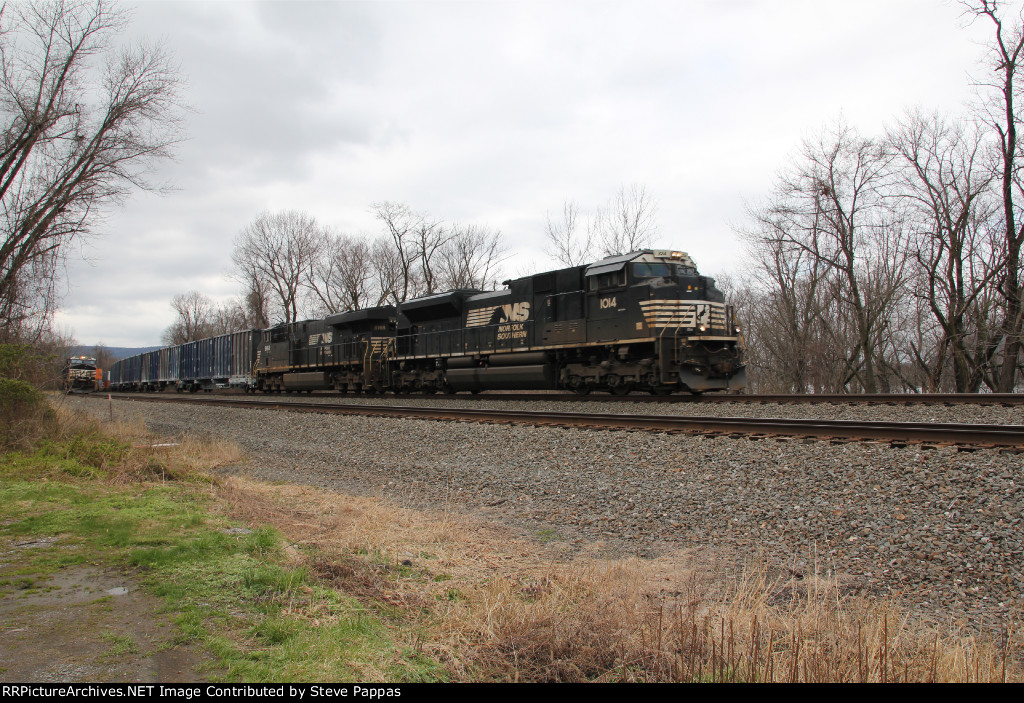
[[830, 206], [570, 240], [429, 237], [71, 144], [416, 239], [1002, 114], [194, 318], [275, 252], [229, 317], [255, 305], [341, 277], [945, 182], [401, 224], [198, 317], [356, 275], [390, 272], [256, 291], [783, 313], [627, 223], [470, 258]]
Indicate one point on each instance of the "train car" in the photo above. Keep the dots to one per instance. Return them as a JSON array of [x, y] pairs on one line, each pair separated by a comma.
[[224, 361]]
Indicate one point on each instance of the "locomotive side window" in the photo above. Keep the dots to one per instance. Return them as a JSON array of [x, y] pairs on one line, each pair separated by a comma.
[[612, 279]]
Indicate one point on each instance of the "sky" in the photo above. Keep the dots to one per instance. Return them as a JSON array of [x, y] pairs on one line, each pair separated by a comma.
[[496, 113]]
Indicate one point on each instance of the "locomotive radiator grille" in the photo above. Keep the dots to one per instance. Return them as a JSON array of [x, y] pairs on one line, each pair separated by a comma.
[[676, 313]]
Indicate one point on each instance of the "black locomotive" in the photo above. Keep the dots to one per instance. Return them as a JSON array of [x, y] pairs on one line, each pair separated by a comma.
[[645, 320]]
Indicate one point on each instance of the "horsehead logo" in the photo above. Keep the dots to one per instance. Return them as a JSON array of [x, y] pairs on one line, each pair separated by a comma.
[[515, 312], [498, 314]]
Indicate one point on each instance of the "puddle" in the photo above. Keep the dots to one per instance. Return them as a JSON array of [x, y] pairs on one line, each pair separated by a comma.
[[65, 633]]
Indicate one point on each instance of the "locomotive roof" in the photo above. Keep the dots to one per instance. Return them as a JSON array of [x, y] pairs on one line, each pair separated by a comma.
[[383, 312], [483, 297], [616, 263], [450, 296]]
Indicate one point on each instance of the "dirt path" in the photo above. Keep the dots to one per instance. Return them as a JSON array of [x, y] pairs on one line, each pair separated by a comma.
[[84, 624]]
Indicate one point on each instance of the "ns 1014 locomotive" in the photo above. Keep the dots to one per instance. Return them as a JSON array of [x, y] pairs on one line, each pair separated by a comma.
[[641, 321]]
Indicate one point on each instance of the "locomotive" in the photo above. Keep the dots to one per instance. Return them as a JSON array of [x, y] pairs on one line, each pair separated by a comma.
[[80, 374], [640, 321]]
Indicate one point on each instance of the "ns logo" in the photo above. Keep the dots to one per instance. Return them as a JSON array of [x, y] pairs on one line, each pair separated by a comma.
[[515, 312]]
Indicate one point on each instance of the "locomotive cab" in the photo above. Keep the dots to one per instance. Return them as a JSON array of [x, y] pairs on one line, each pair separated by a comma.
[[671, 327]]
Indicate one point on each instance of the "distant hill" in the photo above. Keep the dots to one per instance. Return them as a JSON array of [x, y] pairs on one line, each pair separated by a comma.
[[116, 352]]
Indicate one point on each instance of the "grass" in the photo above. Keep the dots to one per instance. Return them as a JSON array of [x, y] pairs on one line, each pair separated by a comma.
[[113, 501], [120, 644], [324, 586], [491, 607]]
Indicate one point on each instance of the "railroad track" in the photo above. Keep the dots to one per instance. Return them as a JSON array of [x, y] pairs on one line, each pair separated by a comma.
[[1003, 399], [932, 433]]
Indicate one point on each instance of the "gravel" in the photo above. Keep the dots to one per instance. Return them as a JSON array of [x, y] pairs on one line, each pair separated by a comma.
[[938, 527], [914, 412]]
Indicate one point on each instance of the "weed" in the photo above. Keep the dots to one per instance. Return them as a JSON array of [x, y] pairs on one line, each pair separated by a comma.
[[120, 644]]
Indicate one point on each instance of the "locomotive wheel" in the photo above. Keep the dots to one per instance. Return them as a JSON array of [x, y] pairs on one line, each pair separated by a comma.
[[661, 390], [622, 389], [582, 389]]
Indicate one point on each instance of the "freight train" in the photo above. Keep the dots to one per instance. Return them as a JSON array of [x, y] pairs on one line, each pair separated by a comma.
[[644, 321]]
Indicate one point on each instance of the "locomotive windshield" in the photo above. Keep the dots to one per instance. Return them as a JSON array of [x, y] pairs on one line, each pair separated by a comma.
[[648, 270], [645, 270]]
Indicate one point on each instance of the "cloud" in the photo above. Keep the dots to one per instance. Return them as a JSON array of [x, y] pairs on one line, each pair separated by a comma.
[[496, 112]]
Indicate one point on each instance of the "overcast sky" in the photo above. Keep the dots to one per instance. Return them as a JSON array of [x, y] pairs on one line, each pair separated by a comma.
[[496, 113]]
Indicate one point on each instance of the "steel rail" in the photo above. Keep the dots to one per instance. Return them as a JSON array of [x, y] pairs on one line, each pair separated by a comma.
[[1004, 399], [963, 434], [1007, 399]]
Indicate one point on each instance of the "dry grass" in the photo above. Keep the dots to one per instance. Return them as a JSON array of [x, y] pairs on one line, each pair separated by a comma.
[[125, 451], [492, 607]]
